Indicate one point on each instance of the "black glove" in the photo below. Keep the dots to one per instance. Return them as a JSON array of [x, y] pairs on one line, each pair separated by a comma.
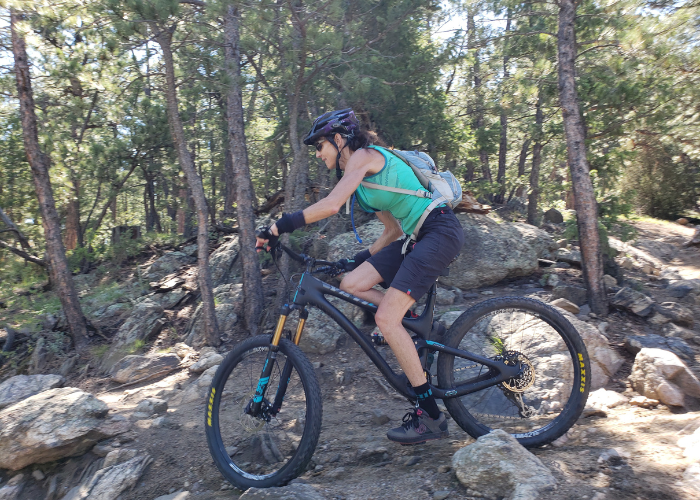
[[354, 263], [265, 234]]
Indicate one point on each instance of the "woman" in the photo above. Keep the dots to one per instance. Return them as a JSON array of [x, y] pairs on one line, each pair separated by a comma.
[[340, 144]]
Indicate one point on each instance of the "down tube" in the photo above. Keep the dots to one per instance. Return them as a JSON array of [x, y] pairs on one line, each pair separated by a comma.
[[314, 296]]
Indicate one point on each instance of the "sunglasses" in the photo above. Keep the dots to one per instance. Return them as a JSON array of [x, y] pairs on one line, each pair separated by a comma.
[[319, 145]]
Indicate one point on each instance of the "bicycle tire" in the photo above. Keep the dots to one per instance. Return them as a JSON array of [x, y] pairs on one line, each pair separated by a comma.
[[248, 451], [557, 370]]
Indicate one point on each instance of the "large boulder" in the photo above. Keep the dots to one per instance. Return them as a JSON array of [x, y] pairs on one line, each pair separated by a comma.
[[229, 306], [296, 491], [19, 387], [605, 362], [661, 375], [167, 264], [145, 321], [673, 311], [492, 250], [681, 288], [575, 294], [110, 482], [678, 346], [320, 335], [53, 424], [497, 466], [633, 301], [222, 260], [132, 368]]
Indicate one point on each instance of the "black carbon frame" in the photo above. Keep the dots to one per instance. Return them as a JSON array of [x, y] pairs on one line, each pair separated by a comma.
[[312, 291]]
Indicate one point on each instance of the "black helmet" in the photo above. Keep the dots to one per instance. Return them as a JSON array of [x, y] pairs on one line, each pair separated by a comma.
[[342, 121]]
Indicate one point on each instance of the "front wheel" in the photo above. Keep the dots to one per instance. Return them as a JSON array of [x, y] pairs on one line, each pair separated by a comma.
[[543, 402], [267, 449]]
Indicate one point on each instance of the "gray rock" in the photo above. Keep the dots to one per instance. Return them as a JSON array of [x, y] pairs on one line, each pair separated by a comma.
[[633, 301], [53, 424], [609, 281], [675, 313], [13, 488], [295, 491], [492, 250], [144, 322], [678, 346], [566, 305], [681, 288], [152, 406], [118, 456], [574, 294], [585, 310], [165, 423], [673, 330], [660, 374], [603, 399], [169, 300], [562, 265], [222, 261], [198, 389], [132, 368], [441, 495], [554, 216], [379, 417], [20, 387], [229, 306], [691, 476], [605, 362], [37, 362], [552, 280], [109, 483], [38, 475], [167, 264], [497, 466], [572, 257], [320, 335], [178, 495], [450, 317], [206, 362], [445, 297]]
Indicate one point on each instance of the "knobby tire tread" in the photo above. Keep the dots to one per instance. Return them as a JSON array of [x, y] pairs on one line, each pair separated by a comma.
[[468, 319], [297, 464]]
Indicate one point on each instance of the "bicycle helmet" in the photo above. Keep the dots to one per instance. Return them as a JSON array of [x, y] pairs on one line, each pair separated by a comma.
[[342, 121]]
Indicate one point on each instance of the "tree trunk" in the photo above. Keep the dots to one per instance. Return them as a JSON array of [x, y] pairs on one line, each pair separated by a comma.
[[72, 235], [252, 282], [503, 143], [211, 328], [478, 110], [39, 163], [533, 197], [586, 206], [521, 166]]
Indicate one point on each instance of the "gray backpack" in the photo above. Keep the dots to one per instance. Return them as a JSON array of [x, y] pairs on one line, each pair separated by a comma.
[[442, 187]]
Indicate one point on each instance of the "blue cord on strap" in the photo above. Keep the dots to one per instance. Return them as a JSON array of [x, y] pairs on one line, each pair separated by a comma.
[[352, 218]]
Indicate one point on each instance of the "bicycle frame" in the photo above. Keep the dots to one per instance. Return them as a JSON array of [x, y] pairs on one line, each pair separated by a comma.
[[312, 291]]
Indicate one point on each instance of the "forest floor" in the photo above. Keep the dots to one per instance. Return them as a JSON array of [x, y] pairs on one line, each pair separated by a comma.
[[651, 465]]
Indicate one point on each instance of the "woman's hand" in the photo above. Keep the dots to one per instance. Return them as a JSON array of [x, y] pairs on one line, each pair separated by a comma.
[[266, 238]]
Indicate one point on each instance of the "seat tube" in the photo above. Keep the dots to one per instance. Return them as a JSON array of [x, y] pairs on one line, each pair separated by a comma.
[[269, 363]]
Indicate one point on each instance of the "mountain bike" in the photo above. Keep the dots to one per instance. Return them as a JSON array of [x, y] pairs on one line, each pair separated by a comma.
[[508, 363]]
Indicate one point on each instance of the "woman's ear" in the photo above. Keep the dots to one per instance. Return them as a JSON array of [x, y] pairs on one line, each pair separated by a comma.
[[338, 140]]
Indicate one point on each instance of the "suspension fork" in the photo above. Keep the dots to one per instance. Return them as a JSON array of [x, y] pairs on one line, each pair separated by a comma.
[[287, 370], [255, 405]]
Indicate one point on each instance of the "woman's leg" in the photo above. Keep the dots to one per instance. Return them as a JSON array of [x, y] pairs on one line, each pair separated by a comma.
[[360, 281]]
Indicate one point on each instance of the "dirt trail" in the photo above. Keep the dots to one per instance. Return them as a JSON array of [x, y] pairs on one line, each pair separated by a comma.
[[651, 464]]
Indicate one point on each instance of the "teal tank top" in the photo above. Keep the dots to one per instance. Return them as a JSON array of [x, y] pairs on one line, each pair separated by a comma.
[[406, 208]]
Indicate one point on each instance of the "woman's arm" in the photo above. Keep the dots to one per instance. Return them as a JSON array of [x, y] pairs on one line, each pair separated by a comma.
[[392, 232]]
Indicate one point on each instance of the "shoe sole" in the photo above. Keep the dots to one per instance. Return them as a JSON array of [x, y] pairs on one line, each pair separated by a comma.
[[442, 435]]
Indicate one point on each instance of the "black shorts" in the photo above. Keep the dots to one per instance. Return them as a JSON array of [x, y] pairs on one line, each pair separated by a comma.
[[440, 239]]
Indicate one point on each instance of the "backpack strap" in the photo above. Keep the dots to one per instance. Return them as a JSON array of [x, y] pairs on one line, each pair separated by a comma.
[[426, 212], [417, 192]]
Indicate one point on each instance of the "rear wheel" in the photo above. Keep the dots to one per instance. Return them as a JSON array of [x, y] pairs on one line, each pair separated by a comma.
[[264, 450], [546, 399]]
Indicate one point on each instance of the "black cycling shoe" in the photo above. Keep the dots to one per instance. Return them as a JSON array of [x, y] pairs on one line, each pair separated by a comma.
[[418, 427]]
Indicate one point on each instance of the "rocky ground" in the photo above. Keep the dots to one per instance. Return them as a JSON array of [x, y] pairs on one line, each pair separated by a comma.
[[146, 439]]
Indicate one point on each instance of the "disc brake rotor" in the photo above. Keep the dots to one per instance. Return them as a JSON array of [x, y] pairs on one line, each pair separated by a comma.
[[250, 423], [523, 381]]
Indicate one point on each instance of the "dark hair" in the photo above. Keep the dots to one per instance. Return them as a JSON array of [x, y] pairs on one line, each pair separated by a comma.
[[363, 138]]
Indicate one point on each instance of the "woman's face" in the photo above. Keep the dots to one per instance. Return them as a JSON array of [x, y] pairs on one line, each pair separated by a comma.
[[327, 153]]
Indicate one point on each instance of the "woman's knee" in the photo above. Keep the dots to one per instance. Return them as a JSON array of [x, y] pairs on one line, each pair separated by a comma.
[[386, 318]]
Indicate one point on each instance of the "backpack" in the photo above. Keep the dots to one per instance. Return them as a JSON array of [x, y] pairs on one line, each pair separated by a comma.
[[442, 187]]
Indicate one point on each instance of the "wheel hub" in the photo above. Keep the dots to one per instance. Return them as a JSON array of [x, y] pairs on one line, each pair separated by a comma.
[[523, 381]]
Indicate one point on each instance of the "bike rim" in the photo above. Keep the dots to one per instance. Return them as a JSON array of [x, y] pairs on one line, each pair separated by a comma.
[[258, 449], [532, 403]]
